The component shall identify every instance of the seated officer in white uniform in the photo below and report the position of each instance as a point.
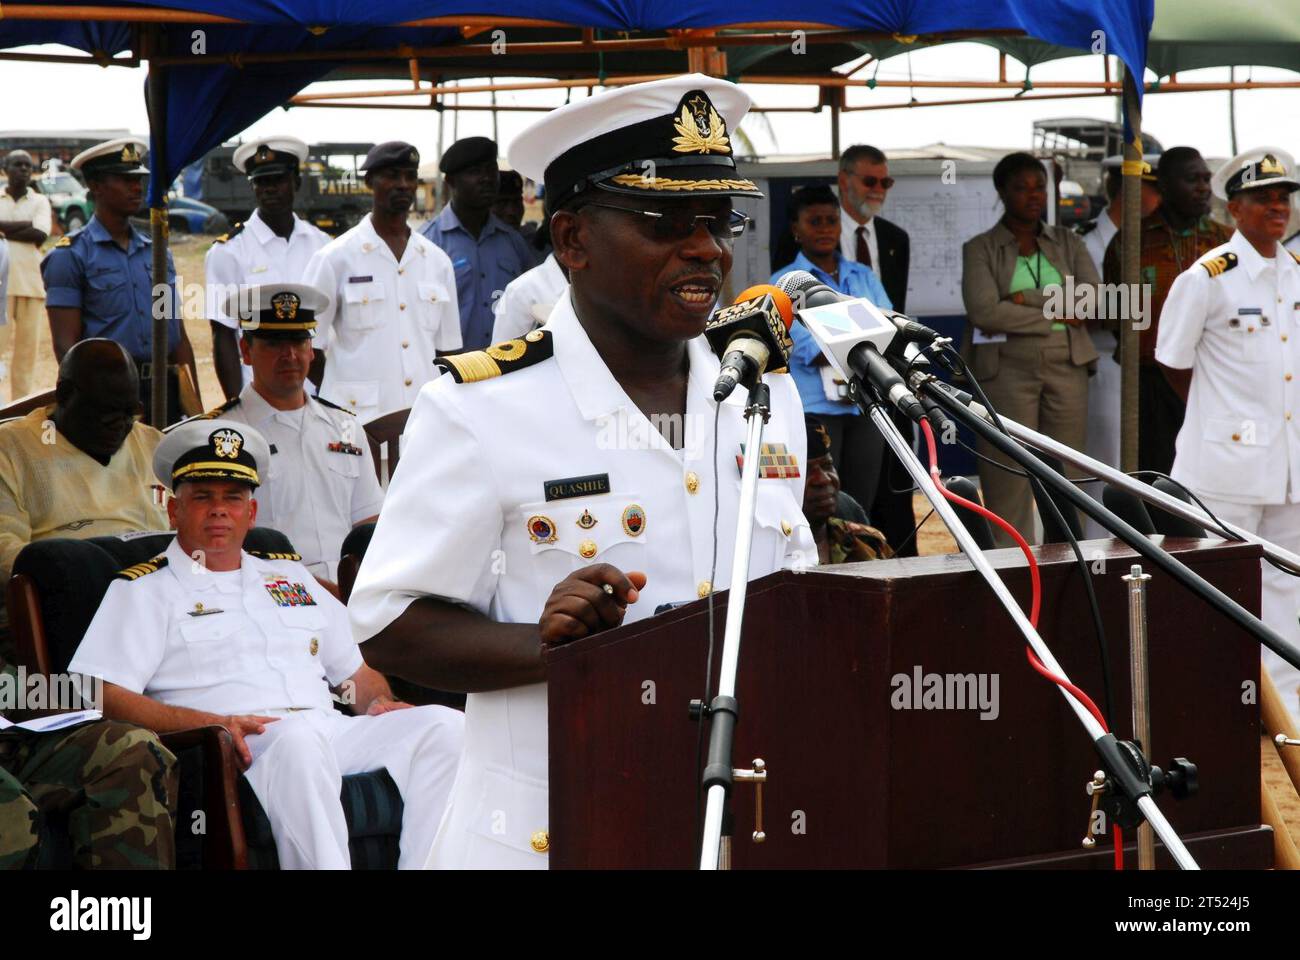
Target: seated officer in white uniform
(208, 634)
(321, 480)
(546, 490)
(1233, 318)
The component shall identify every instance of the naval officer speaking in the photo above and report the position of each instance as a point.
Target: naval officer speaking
(563, 483)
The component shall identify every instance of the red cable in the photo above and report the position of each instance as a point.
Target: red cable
(1035, 605)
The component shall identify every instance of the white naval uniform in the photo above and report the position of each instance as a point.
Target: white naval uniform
(321, 480)
(256, 255)
(1104, 385)
(386, 320)
(248, 652)
(455, 526)
(528, 300)
(1239, 447)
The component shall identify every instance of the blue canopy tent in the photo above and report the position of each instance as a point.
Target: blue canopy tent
(201, 90)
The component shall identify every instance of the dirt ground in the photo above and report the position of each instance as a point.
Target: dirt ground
(933, 537)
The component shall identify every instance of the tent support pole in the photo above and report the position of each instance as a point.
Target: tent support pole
(158, 234)
(1130, 254)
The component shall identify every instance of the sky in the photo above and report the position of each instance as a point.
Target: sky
(75, 96)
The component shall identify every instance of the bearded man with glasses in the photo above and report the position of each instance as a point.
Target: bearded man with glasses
(563, 483)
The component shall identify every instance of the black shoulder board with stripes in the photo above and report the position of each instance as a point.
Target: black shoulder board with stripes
(500, 358)
(334, 406)
(142, 569)
(265, 555)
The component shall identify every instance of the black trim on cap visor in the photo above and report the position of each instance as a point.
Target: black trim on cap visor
(271, 170)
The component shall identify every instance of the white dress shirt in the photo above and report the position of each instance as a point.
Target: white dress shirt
(256, 255)
(849, 238)
(386, 321)
(321, 480)
(461, 522)
(264, 637)
(1239, 331)
(528, 300)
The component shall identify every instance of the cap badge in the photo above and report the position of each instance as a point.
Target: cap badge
(226, 443)
(413, 157)
(1270, 165)
(286, 305)
(700, 128)
(129, 154)
(264, 154)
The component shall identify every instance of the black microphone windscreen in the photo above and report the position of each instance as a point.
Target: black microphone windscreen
(1165, 522)
(1129, 508)
(976, 524)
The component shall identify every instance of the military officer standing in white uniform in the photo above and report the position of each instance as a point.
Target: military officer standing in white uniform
(273, 246)
(392, 297)
(1234, 319)
(557, 484)
(208, 634)
(321, 481)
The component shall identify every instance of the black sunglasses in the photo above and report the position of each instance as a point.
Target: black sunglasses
(885, 182)
(678, 225)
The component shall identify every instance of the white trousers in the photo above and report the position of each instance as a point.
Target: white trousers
(1103, 422)
(300, 761)
(1280, 596)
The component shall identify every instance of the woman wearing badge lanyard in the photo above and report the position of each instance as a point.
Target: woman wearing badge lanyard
(1025, 341)
(856, 444)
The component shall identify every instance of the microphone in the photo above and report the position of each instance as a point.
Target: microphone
(852, 332)
(752, 336)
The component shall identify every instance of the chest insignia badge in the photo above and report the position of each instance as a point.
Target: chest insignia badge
(633, 520)
(348, 448)
(202, 611)
(775, 462)
(587, 521)
(286, 594)
(541, 529)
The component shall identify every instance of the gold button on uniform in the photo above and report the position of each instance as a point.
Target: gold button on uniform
(400, 271)
(1288, 416)
(401, 306)
(1288, 378)
(785, 527)
(408, 381)
(692, 481)
(405, 344)
(1236, 437)
(540, 841)
(705, 588)
(587, 548)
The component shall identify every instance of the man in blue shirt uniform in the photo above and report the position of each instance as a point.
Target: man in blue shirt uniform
(99, 280)
(485, 252)
(857, 444)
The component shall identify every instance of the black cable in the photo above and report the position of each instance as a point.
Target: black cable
(708, 662)
(915, 530)
(1177, 570)
(1041, 494)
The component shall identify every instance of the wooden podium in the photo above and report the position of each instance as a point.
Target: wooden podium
(855, 779)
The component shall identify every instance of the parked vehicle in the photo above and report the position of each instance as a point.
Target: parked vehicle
(187, 215)
(68, 198)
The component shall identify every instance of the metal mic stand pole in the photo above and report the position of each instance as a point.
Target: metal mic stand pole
(1105, 743)
(1102, 471)
(723, 708)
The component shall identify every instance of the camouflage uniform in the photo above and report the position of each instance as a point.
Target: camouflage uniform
(114, 782)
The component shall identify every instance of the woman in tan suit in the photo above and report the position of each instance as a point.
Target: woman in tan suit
(1033, 360)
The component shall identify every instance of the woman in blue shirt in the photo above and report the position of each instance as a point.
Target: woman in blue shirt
(857, 445)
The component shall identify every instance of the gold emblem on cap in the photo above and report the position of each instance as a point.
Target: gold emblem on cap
(286, 305)
(264, 154)
(414, 157)
(540, 841)
(226, 443)
(129, 154)
(587, 549)
(700, 128)
(1271, 165)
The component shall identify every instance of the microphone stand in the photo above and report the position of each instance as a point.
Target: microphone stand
(1116, 757)
(723, 709)
(957, 408)
(1166, 502)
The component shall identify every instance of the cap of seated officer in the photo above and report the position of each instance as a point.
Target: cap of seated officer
(270, 156)
(200, 449)
(124, 156)
(280, 311)
(664, 139)
(1253, 170)
(393, 153)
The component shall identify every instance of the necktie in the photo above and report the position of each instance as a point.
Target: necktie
(863, 251)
